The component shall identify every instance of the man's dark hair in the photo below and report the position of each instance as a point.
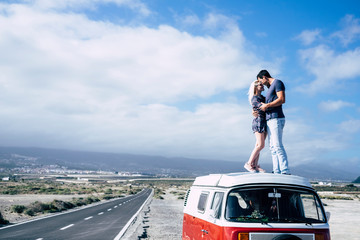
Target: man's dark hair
(263, 73)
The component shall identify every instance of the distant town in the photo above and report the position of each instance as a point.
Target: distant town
(39, 161)
(28, 165)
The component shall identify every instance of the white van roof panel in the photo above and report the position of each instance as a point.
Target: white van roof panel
(242, 178)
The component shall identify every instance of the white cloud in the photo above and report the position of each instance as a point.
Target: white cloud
(331, 106)
(305, 142)
(189, 20)
(71, 82)
(350, 31)
(214, 25)
(307, 37)
(329, 67)
(213, 21)
(351, 126)
(214, 131)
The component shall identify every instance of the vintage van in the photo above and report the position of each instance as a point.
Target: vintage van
(253, 206)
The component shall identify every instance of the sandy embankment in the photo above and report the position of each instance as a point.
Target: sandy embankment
(164, 220)
(6, 201)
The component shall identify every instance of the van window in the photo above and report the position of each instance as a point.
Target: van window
(274, 204)
(312, 208)
(202, 201)
(216, 204)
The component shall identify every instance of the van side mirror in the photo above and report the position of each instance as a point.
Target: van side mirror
(327, 215)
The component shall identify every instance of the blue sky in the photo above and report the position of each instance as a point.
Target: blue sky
(170, 77)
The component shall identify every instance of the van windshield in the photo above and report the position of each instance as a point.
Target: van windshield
(274, 204)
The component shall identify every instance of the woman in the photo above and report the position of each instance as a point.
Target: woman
(258, 126)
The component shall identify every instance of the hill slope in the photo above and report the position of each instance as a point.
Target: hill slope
(11, 157)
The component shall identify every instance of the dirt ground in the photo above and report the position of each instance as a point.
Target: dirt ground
(162, 219)
(344, 219)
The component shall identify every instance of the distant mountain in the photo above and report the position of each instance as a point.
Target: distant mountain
(357, 180)
(11, 157)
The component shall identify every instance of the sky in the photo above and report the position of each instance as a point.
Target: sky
(170, 78)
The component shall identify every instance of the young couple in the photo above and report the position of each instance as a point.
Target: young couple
(269, 120)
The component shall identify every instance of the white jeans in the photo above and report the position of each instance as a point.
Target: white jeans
(275, 128)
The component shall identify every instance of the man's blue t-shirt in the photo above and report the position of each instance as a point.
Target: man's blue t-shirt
(274, 112)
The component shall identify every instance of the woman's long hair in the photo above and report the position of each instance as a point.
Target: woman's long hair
(252, 90)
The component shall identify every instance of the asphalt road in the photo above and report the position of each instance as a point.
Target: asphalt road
(99, 222)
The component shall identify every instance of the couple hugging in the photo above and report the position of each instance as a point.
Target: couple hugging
(269, 121)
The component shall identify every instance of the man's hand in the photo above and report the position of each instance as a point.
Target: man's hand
(263, 107)
(277, 102)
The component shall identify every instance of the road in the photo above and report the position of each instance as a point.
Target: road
(100, 221)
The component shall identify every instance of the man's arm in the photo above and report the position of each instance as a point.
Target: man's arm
(277, 102)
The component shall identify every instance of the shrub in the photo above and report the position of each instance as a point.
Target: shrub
(11, 192)
(90, 200)
(37, 207)
(61, 205)
(107, 197)
(336, 197)
(2, 220)
(66, 191)
(18, 208)
(79, 202)
(108, 191)
(30, 212)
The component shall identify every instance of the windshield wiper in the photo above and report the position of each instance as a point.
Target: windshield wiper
(263, 221)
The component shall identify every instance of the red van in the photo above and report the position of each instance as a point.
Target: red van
(253, 206)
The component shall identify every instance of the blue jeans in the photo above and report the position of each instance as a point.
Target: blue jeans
(275, 128)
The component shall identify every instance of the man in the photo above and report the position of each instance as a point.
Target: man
(275, 120)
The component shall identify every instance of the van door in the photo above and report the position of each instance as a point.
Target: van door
(213, 230)
(200, 231)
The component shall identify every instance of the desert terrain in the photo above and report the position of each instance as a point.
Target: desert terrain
(162, 218)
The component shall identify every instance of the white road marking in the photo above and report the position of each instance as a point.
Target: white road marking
(122, 232)
(67, 227)
(101, 213)
(88, 218)
(109, 209)
(39, 239)
(115, 206)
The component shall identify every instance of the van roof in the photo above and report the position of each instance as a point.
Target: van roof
(245, 178)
